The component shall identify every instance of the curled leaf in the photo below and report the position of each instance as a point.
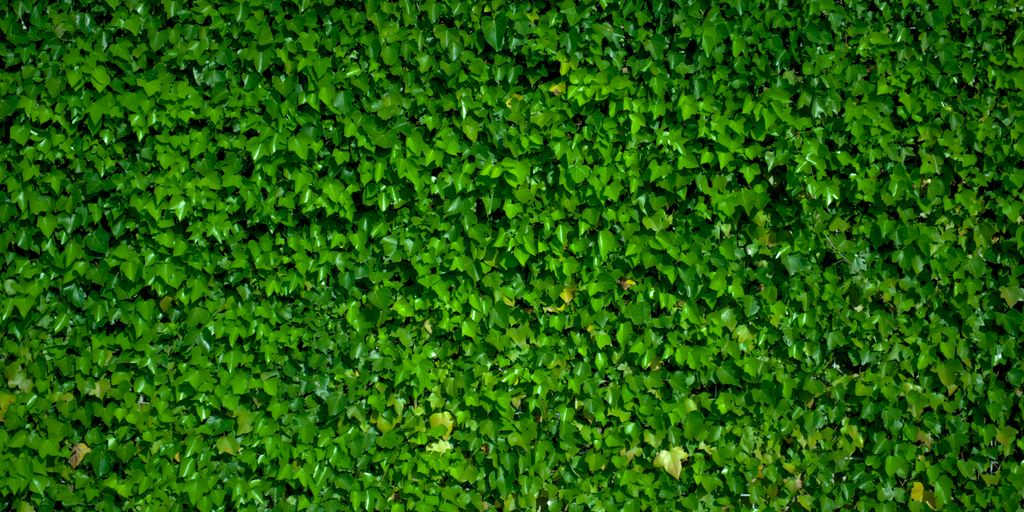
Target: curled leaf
(78, 452)
(917, 492)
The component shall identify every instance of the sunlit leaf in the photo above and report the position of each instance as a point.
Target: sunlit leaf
(671, 460)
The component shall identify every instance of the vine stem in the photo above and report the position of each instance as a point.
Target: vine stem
(835, 249)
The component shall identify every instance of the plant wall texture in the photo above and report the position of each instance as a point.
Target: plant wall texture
(457, 255)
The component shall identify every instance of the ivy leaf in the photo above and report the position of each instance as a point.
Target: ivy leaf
(494, 30)
(99, 390)
(78, 452)
(442, 446)
(917, 492)
(443, 419)
(944, 490)
(5, 402)
(227, 444)
(100, 78)
(20, 134)
(671, 460)
(1012, 295)
(606, 243)
(567, 294)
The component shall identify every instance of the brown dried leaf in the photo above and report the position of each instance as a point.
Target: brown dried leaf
(924, 438)
(5, 401)
(78, 452)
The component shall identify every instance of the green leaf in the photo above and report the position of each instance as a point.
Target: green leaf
(328, 95)
(20, 134)
(494, 30)
(300, 146)
(100, 78)
(170, 275)
(343, 101)
(47, 224)
(228, 445)
(896, 466)
(606, 243)
(944, 490)
(443, 421)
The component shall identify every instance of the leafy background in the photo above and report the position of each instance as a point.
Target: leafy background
(466, 255)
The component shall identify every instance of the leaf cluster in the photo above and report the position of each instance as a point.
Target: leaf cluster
(453, 255)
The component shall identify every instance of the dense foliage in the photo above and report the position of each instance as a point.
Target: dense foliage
(465, 255)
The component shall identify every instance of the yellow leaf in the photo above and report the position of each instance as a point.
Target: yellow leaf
(626, 283)
(441, 446)
(6, 399)
(78, 452)
(516, 96)
(568, 294)
(443, 418)
(917, 492)
(671, 461)
(557, 89)
(924, 438)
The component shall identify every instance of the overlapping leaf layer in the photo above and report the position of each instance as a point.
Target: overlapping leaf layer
(454, 255)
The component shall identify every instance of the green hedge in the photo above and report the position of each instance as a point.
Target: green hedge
(456, 255)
